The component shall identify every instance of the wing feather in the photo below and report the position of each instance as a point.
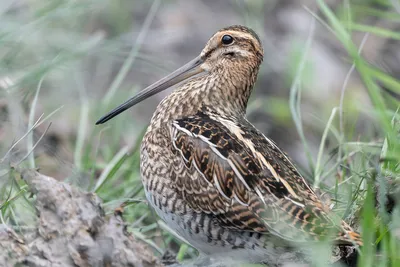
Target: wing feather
(252, 185)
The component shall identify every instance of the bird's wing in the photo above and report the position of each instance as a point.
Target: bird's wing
(245, 180)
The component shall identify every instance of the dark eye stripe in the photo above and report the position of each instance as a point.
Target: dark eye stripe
(239, 39)
(209, 53)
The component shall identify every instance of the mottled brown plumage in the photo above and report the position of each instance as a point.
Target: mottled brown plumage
(212, 176)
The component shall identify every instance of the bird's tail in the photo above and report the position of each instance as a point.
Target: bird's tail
(349, 236)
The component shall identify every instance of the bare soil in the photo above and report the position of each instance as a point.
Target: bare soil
(72, 230)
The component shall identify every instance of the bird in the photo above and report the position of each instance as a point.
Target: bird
(211, 176)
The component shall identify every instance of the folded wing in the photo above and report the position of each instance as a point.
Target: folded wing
(246, 181)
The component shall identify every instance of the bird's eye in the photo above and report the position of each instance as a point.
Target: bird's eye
(227, 39)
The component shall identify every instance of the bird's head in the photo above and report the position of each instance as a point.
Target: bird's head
(235, 51)
(232, 47)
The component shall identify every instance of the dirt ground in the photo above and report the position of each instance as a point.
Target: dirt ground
(72, 230)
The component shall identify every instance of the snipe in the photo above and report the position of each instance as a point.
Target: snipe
(211, 175)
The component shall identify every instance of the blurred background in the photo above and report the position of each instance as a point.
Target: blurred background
(73, 61)
(89, 56)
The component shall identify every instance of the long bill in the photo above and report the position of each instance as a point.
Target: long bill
(188, 70)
